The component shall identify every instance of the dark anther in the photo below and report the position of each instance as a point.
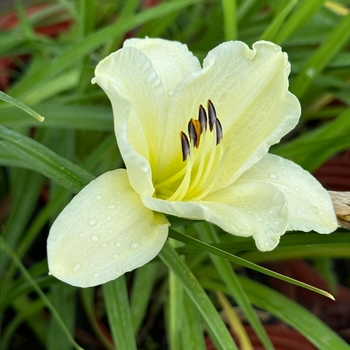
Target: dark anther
(202, 117)
(185, 146)
(212, 115)
(219, 134)
(192, 133)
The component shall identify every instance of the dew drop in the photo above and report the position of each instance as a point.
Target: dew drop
(92, 222)
(170, 92)
(111, 206)
(104, 244)
(276, 223)
(108, 218)
(260, 219)
(134, 245)
(315, 210)
(85, 255)
(77, 267)
(118, 244)
(110, 230)
(311, 72)
(273, 176)
(298, 212)
(82, 235)
(98, 197)
(96, 275)
(94, 238)
(297, 188)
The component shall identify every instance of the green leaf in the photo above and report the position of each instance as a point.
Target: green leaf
(215, 326)
(293, 314)
(45, 161)
(320, 143)
(275, 26)
(21, 105)
(118, 312)
(141, 293)
(229, 277)
(219, 252)
(41, 294)
(230, 20)
(322, 56)
(303, 12)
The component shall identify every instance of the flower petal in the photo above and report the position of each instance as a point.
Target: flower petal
(137, 98)
(104, 232)
(170, 59)
(309, 204)
(248, 209)
(249, 89)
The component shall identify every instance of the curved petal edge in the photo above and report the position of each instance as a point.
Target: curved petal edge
(104, 232)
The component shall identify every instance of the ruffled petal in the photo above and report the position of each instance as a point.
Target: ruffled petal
(104, 232)
(247, 209)
(170, 59)
(249, 89)
(137, 96)
(309, 204)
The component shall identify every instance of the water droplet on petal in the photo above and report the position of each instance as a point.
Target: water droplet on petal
(96, 275)
(82, 235)
(118, 244)
(92, 222)
(98, 197)
(110, 230)
(273, 176)
(108, 218)
(170, 92)
(315, 209)
(94, 238)
(77, 267)
(111, 206)
(260, 219)
(104, 244)
(134, 245)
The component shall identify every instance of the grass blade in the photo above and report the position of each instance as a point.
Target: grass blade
(216, 328)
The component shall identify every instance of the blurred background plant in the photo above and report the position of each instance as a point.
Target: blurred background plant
(48, 51)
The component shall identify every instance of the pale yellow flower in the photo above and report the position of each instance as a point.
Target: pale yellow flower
(194, 141)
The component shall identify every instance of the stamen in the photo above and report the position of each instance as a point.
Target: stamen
(203, 159)
(194, 131)
(185, 146)
(212, 115)
(202, 117)
(219, 134)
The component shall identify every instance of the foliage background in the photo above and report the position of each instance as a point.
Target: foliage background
(47, 62)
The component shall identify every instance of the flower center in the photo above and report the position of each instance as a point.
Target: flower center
(201, 159)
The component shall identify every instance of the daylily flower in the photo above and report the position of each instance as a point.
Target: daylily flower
(194, 141)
